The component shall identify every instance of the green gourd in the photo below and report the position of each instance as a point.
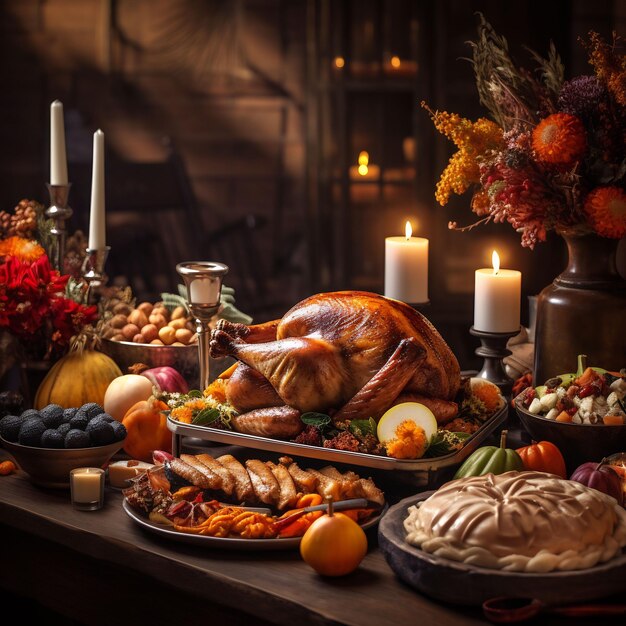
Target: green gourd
(491, 459)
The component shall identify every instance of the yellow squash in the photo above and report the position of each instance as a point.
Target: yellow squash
(79, 377)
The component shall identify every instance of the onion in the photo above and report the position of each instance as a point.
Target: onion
(166, 379)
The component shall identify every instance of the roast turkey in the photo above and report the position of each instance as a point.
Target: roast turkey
(349, 354)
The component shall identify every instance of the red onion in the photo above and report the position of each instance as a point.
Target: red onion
(159, 457)
(166, 379)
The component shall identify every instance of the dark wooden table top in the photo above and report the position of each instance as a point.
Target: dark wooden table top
(101, 567)
(270, 587)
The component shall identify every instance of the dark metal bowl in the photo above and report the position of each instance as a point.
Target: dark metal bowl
(578, 443)
(183, 359)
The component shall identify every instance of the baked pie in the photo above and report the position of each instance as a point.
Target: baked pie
(519, 522)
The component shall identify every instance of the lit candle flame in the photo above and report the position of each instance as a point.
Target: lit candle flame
(364, 159)
(339, 62)
(395, 62)
(408, 231)
(495, 261)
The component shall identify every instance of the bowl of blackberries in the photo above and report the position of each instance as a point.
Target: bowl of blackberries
(49, 442)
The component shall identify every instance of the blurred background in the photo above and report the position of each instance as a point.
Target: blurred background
(234, 131)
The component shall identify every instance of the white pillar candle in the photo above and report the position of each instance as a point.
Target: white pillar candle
(58, 158)
(406, 268)
(497, 299)
(96, 218)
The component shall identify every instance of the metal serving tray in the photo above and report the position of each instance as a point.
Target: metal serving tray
(426, 466)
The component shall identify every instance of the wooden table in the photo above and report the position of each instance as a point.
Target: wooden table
(101, 568)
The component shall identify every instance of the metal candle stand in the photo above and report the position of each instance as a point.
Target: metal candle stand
(493, 349)
(211, 273)
(59, 212)
(93, 272)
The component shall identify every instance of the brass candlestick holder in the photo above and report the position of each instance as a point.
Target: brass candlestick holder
(59, 212)
(203, 280)
(93, 272)
(493, 350)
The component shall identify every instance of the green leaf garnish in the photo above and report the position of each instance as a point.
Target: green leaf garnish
(205, 417)
(363, 427)
(195, 393)
(315, 419)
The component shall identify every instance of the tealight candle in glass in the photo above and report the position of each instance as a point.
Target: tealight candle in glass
(87, 488)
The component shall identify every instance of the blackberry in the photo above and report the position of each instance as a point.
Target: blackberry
(52, 438)
(10, 427)
(91, 409)
(77, 439)
(52, 415)
(100, 432)
(30, 413)
(64, 428)
(119, 429)
(30, 431)
(68, 414)
(80, 420)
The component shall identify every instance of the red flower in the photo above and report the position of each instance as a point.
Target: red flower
(31, 298)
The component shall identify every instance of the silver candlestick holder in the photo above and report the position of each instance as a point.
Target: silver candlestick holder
(59, 212)
(493, 350)
(93, 272)
(203, 280)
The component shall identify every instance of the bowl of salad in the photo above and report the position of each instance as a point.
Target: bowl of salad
(583, 413)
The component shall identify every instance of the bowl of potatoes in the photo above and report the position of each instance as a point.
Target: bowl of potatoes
(153, 334)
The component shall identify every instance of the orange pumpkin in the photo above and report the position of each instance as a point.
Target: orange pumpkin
(543, 457)
(146, 427)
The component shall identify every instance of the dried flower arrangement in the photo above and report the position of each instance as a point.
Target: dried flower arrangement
(553, 154)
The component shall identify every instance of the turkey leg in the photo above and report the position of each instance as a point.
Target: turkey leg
(257, 333)
(306, 372)
(384, 387)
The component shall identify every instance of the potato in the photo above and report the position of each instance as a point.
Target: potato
(121, 308)
(177, 323)
(179, 312)
(138, 317)
(156, 342)
(183, 335)
(118, 321)
(161, 310)
(158, 320)
(108, 332)
(149, 332)
(118, 337)
(138, 338)
(129, 331)
(146, 308)
(167, 335)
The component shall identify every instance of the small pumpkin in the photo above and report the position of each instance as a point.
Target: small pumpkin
(146, 428)
(491, 459)
(543, 456)
(600, 476)
(81, 376)
(334, 544)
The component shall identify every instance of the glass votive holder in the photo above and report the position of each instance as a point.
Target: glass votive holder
(87, 488)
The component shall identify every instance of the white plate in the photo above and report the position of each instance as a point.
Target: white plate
(225, 543)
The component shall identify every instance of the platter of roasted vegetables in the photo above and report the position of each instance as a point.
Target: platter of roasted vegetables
(259, 505)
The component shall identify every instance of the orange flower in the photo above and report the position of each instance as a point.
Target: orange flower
(560, 139)
(26, 250)
(606, 210)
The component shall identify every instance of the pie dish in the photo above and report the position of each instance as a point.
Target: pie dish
(519, 522)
